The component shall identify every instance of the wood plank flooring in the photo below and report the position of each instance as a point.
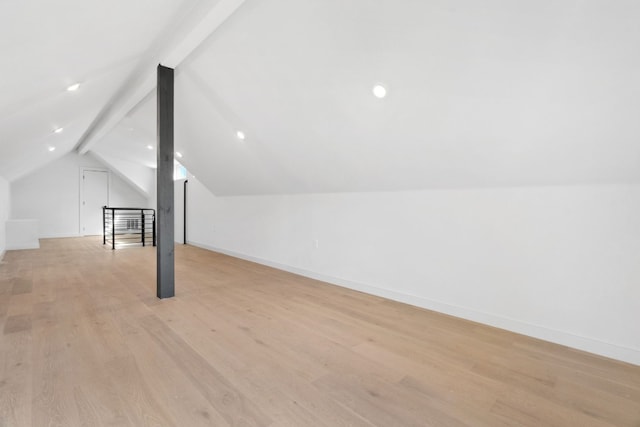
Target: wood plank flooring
(85, 342)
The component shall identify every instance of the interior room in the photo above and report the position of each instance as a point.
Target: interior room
(391, 213)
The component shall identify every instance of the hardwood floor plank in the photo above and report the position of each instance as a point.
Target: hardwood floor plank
(95, 409)
(555, 385)
(17, 323)
(21, 285)
(85, 342)
(234, 406)
(139, 405)
(52, 399)
(15, 379)
(453, 390)
(279, 379)
(385, 403)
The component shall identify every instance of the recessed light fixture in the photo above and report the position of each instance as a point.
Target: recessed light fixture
(240, 134)
(52, 148)
(150, 147)
(73, 87)
(58, 130)
(379, 91)
(179, 154)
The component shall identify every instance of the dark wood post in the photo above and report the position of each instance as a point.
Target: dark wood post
(165, 249)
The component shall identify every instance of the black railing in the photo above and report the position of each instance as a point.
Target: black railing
(128, 226)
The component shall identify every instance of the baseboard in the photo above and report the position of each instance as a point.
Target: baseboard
(2, 255)
(23, 247)
(59, 236)
(590, 345)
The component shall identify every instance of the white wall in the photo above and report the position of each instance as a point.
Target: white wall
(178, 210)
(138, 176)
(558, 263)
(5, 209)
(52, 195)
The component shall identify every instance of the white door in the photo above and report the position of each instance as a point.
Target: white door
(95, 195)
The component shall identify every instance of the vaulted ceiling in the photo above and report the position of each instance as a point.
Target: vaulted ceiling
(494, 93)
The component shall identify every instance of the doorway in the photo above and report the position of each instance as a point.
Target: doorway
(93, 196)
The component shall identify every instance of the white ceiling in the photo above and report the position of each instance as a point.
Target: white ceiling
(493, 93)
(47, 46)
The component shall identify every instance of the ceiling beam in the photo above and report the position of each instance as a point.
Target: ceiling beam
(127, 99)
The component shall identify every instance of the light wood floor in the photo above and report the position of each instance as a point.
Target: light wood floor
(84, 342)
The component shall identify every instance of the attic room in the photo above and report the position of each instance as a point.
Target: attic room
(391, 213)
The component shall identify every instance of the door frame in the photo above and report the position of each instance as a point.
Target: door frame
(83, 169)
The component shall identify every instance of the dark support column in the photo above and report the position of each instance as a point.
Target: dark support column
(186, 181)
(143, 230)
(165, 254)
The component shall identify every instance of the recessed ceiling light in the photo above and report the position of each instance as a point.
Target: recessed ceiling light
(58, 130)
(150, 147)
(240, 134)
(379, 91)
(52, 148)
(179, 154)
(73, 87)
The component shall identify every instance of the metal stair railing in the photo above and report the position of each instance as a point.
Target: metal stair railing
(128, 226)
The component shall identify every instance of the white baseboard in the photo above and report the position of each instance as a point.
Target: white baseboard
(59, 236)
(2, 255)
(23, 247)
(590, 345)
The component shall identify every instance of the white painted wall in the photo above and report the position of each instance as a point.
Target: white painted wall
(52, 195)
(5, 209)
(559, 263)
(22, 234)
(138, 176)
(178, 195)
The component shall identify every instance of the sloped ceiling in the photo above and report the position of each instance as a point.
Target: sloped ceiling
(107, 47)
(494, 93)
